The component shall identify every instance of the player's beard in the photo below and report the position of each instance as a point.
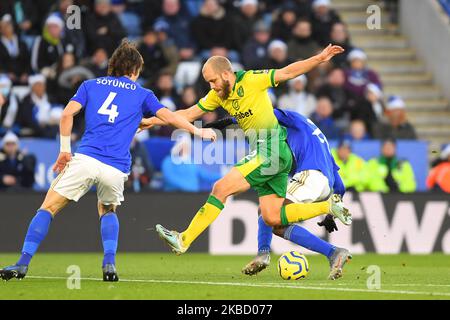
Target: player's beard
(225, 89)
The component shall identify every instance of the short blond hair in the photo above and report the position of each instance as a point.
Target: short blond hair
(219, 64)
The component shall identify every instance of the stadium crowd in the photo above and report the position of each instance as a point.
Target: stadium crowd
(43, 60)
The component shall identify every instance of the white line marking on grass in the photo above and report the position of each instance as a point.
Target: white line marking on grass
(261, 285)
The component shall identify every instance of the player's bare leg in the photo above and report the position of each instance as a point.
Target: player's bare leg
(53, 204)
(232, 183)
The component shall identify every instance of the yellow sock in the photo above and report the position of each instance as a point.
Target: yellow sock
(204, 217)
(296, 212)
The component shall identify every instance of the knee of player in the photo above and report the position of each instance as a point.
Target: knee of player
(220, 190)
(53, 209)
(271, 219)
(106, 208)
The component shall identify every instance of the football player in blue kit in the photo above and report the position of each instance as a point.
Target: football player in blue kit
(316, 178)
(114, 107)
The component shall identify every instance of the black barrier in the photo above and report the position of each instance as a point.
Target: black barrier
(415, 223)
(77, 228)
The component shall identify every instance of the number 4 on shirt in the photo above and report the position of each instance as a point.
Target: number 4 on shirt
(111, 112)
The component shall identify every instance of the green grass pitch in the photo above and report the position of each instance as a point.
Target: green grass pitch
(202, 276)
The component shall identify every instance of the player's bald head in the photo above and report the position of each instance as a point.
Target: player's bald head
(218, 65)
(217, 71)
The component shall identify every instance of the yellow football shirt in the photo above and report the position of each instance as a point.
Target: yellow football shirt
(249, 102)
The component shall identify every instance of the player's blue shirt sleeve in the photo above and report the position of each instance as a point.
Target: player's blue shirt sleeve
(283, 118)
(81, 96)
(338, 187)
(151, 105)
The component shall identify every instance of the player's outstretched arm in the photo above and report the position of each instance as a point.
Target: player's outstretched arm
(65, 132)
(300, 67)
(191, 114)
(178, 121)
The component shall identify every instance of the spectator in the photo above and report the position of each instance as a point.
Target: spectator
(322, 117)
(339, 36)
(167, 95)
(154, 57)
(397, 125)
(103, 28)
(24, 13)
(352, 167)
(322, 19)
(318, 76)
(302, 46)
(168, 45)
(98, 63)
(165, 91)
(388, 173)
(14, 55)
(246, 19)
(374, 96)
(178, 28)
(370, 108)
(50, 47)
(189, 97)
(334, 89)
(357, 131)
(297, 99)
(37, 116)
(16, 167)
(358, 76)
(284, 23)
(213, 28)
(9, 106)
(70, 77)
(254, 54)
(278, 58)
(180, 174)
(438, 179)
(72, 35)
(141, 167)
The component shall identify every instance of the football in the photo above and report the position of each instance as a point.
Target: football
(293, 266)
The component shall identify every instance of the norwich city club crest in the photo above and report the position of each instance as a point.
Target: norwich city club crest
(240, 92)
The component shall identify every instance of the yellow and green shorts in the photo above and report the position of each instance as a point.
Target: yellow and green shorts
(267, 167)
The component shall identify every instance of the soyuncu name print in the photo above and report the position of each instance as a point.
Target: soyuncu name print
(242, 115)
(116, 83)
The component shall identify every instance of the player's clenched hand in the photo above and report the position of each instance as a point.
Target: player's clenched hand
(207, 134)
(145, 124)
(330, 51)
(63, 159)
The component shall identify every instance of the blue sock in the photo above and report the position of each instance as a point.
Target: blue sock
(37, 231)
(109, 224)
(306, 239)
(264, 236)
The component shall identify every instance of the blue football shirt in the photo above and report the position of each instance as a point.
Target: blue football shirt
(309, 146)
(114, 108)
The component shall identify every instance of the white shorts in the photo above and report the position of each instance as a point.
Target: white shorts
(82, 172)
(308, 186)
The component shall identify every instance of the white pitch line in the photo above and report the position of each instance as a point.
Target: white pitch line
(260, 285)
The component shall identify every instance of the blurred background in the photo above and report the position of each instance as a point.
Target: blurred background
(383, 104)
